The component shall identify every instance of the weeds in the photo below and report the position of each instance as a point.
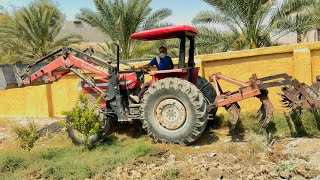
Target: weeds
(171, 173)
(281, 126)
(287, 165)
(139, 149)
(257, 143)
(309, 122)
(58, 158)
(27, 135)
(51, 154)
(10, 164)
(305, 124)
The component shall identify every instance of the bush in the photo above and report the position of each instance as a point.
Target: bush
(10, 164)
(27, 135)
(305, 124)
(309, 122)
(259, 140)
(85, 119)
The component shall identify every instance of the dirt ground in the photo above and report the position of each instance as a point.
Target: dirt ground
(214, 156)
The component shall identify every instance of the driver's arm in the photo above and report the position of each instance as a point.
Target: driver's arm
(147, 65)
(153, 62)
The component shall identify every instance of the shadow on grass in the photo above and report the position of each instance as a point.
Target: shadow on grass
(54, 127)
(206, 138)
(300, 131)
(133, 129)
(219, 122)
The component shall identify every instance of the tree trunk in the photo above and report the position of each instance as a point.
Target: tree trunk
(318, 34)
(299, 37)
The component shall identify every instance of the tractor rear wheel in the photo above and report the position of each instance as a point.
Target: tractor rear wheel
(78, 139)
(209, 92)
(174, 110)
(207, 89)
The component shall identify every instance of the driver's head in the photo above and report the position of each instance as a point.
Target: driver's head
(163, 50)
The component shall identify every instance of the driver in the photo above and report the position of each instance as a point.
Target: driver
(162, 62)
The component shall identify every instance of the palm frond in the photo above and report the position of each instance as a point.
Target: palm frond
(156, 17)
(32, 30)
(118, 19)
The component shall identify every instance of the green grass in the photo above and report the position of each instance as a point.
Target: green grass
(171, 172)
(306, 124)
(58, 158)
(281, 126)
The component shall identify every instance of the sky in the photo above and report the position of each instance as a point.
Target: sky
(182, 10)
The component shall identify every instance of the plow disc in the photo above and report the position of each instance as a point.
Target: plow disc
(294, 100)
(266, 110)
(234, 110)
(295, 95)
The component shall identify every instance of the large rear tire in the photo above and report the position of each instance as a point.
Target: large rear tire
(209, 92)
(174, 110)
(207, 89)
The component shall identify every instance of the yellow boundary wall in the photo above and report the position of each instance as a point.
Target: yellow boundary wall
(301, 61)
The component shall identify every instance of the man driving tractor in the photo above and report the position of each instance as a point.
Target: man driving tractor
(162, 62)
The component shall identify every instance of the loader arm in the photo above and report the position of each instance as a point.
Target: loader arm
(66, 60)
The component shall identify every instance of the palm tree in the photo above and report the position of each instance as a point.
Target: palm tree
(5, 55)
(246, 24)
(300, 16)
(118, 19)
(32, 32)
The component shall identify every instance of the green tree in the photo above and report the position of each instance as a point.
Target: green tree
(247, 24)
(5, 55)
(32, 32)
(118, 19)
(300, 16)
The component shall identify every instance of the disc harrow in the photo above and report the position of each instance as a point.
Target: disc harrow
(295, 95)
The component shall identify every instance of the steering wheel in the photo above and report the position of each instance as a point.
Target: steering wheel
(144, 70)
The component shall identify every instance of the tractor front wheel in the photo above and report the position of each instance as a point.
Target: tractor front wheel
(174, 110)
(78, 138)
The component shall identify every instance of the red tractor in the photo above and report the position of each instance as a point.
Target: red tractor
(173, 109)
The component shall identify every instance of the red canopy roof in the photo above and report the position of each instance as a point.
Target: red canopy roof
(164, 33)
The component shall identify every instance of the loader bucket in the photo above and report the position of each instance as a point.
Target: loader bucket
(10, 77)
(7, 77)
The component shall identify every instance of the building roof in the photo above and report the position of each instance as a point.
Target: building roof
(89, 34)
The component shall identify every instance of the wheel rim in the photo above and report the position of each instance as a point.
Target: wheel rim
(171, 114)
